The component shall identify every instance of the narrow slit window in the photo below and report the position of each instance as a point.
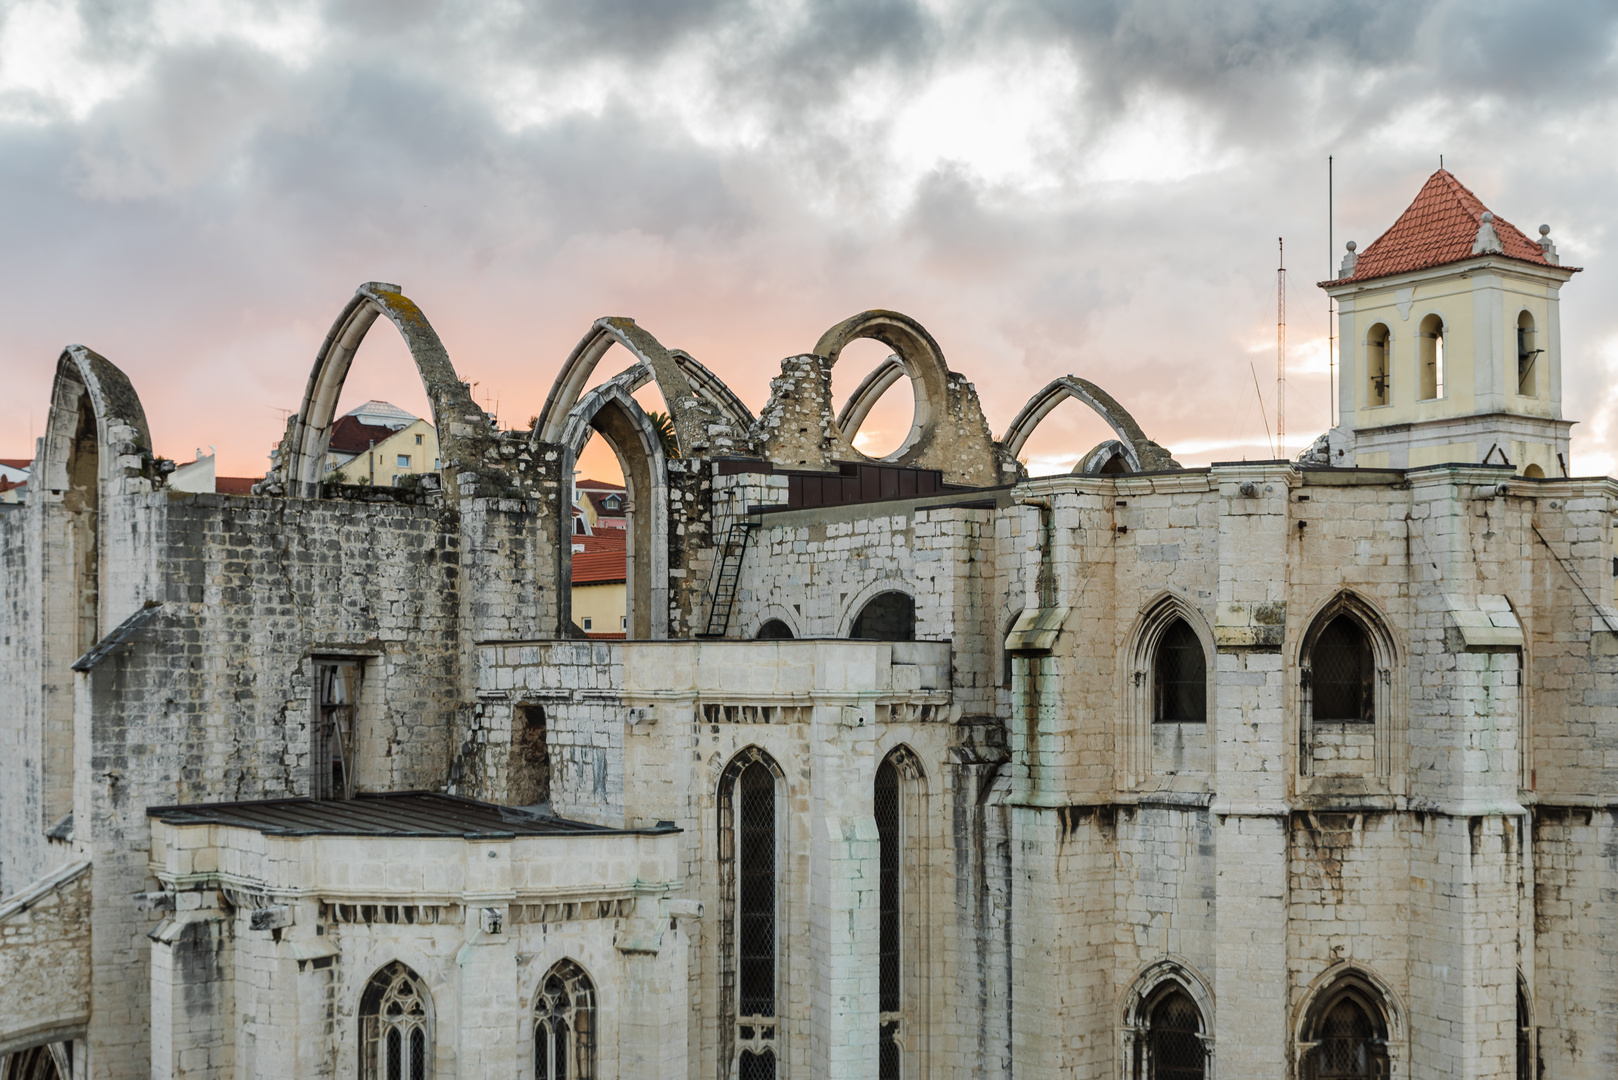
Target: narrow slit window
(338, 687)
(890, 990)
(1527, 357)
(1432, 357)
(1377, 378)
(755, 907)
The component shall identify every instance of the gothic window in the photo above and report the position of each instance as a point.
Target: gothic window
(886, 797)
(395, 1023)
(564, 1025)
(337, 689)
(1348, 1037)
(750, 862)
(1180, 677)
(1342, 673)
(53, 1061)
(1527, 354)
(1173, 1048)
(888, 617)
(1431, 336)
(774, 630)
(1377, 369)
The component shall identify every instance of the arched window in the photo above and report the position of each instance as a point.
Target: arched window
(774, 630)
(1527, 383)
(1343, 673)
(395, 1022)
(890, 616)
(1431, 336)
(1377, 368)
(749, 853)
(1348, 1037)
(38, 1063)
(1179, 677)
(1534, 472)
(886, 794)
(564, 1025)
(1174, 1039)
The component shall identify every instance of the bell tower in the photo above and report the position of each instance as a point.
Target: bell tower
(1451, 341)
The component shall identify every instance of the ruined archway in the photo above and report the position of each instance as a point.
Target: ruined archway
(915, 354)
(703, 382)
(96, 446)
(302, 457)
(610, 411)
(1139, 453)
(694, 416)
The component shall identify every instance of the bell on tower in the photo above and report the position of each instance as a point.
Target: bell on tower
(1451, 342)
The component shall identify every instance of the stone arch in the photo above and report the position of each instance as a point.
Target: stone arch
(888, 615)
(397, 1024)
(778, 614)
(618, 417)
(1140, 453)
(1163, 976)
(1105, 459)
(302, 458)
(710, 387)
(691, 414)
(1348, 978)
(915, 354)
(96, 446)
(1140, 759)
(1387, 712)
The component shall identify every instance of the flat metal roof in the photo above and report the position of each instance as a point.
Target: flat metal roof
(404, 813)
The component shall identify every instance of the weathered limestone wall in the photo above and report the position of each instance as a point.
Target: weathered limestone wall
(45, 959)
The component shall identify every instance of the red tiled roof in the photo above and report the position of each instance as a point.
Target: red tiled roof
(10, 485)
(604, 485)
(599, 567)
(17, 462)
(1439, 227)
(349, 436)
(593, 636)
(235, 485)
(602, 510)
(611, 540)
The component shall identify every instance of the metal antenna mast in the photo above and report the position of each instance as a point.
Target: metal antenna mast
(1331, 307)
(1281, 349)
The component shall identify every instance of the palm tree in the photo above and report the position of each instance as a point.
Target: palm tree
(665, 432)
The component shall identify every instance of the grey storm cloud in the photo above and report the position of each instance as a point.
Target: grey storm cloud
(194, 189)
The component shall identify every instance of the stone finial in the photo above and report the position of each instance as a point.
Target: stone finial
(1488, 241)
(1349, 260)
(1547, 246)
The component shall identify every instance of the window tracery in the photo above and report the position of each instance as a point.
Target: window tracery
(564, 1025)
(395, 1018)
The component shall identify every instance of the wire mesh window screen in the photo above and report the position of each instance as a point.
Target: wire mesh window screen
(393, 1026)
(756, 888)
(564, 1025)
(890, 1058)
(756, 1066)
(1180, 677)
(1348, 1046)
(1342, 673)
(887, 830)
(1175, 1044)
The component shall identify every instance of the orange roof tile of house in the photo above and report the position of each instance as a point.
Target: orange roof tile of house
(235, 485)
(1439, 227)
(599, 567)
(17, 462)
(606, 540)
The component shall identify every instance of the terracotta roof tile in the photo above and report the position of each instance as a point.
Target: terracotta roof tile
(17, 462)
(235, 485)
(599, 567)
(1439, 227)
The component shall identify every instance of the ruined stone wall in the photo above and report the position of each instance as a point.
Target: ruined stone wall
(44, 960)
(23, 856)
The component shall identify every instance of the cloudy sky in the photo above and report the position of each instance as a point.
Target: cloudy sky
(194, 189)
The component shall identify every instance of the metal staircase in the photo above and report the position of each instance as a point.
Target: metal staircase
(727, 576)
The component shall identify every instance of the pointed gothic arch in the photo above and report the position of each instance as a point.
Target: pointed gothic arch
(1348, 630)
(1140, 453)
(1348, 1010)
(692, 414)
(710, 387)
(1166, 1027)
(396, 1025)
(753, 799)
(1148, 750)
(610, 411)
(302, 464)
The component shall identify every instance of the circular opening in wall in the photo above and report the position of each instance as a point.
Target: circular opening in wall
(885, 426)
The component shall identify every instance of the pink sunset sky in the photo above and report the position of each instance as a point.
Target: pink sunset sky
(193, 189)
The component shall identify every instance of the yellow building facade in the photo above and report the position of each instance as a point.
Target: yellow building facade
(410, 451)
